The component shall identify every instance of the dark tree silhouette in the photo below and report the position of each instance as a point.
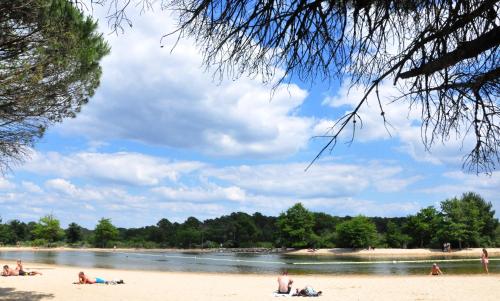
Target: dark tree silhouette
(443, 55)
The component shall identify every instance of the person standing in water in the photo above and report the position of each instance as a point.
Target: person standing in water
(485, 261)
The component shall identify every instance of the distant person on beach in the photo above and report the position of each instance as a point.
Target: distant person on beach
(435, 270)
(9, 272)
(485, 260)
(284, 283)
(84, 279)
(20, 270)
(307, 292)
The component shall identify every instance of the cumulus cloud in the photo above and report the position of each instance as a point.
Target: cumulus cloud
(403, 124)
(324, 179)
(154, 96)
(122, 167)
(6, 184)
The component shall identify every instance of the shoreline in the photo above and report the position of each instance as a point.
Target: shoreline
(378, 252)
(56, 284)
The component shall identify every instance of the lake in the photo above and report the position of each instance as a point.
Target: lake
(251, 263)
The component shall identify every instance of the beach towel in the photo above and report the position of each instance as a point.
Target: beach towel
(276, 294)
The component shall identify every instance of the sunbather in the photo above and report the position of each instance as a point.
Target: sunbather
(20, 270)
(9, 272)
(84, 279)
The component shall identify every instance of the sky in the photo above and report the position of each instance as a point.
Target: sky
(163, 139)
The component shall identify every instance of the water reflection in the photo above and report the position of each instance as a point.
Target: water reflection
(249, 263)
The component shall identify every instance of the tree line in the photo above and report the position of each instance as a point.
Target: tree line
(468, 221)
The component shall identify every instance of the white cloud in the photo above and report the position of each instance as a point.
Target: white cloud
(403, 124)
(322, 180)
(164, 98)
(122, 167)
(459, 182)
(31, 187)
(200, 194)
(6, 184)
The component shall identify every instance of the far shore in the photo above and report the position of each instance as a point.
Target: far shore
(378, 252)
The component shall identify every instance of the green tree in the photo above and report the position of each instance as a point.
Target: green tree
(49, 68)
(48, 228)
(468, 220)
(104, 233)
(422, 227)
(296, 226)
(359, 232)
(5, 233)
(73, 233)
(394, 237)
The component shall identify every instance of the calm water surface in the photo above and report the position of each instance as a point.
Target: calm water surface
(251, 263)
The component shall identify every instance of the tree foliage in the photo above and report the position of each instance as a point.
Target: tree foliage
(466, 221)
(49, 67)
(359, 232)
(73, 233)
(48, 228)
(296, 226)
(104, 233)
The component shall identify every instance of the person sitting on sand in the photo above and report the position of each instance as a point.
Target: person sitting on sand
(9, 272)
(20, 270)
(307, 292)
(435, 270)
(284, 283)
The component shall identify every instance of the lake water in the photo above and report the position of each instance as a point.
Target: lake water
(251, 263)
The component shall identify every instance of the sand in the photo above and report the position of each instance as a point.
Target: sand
(56, 284)
(380, 252)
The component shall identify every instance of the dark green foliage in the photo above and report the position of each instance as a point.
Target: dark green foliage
(423, 226)
(105, 233)
(296, 226)
(48, 228)
(49, 68)
(394, 237)
(73, 233)
(359, 232)
(467, 221)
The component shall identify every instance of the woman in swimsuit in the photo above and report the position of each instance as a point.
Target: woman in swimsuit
(484, 260)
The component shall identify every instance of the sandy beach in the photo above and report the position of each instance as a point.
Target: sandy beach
(380, 252)
(56, 284)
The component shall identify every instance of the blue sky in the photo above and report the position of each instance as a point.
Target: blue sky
(162, 139)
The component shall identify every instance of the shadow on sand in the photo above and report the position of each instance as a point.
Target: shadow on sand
(8, 294)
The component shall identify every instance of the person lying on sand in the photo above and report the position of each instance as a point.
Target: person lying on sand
(9, 272)
(435, 270)
(20, 270)
(84, 279)
(307, 292)
(284, 283)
